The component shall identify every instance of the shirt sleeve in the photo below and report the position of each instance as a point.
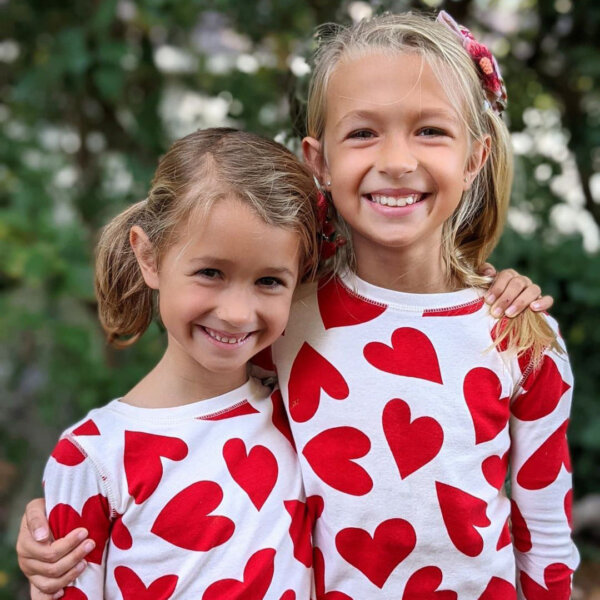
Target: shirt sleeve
(541, 482)
(76, 496)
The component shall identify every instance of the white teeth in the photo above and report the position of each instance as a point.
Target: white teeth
(225, 339)
(396, 200)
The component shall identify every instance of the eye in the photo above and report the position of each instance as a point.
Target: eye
(209, 273)
(431, 132)
(270, 282)
(361, 134)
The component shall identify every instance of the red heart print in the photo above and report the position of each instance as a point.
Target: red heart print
(239, 410)
(411, 355)
(490, 413)
(204, 531)
(142, 461)
(258, 574)
(304, 515)
(67, 453)
(461, 513)
(457, 311)
(504, 538)
(288, 595)
(72, 593)
(331, 454)
(557, 579)
(542, 393)
(413, 444)
(87, 428)
(340, 308)
(280, 419)
(310, 374)
(520, 531)
(255, 471)
(120, 535)
(499, 589)
(494, 470)
(133, 588)
(376, 557)
(423, 584)
(319, 570)
(95, 517)
(543, 466)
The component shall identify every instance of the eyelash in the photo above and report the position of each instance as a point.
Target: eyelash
(436, 131)
(356, 135)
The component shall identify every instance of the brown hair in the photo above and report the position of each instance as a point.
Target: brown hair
(197, 171)
(472, 232)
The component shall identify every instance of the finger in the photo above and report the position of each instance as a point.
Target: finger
(542, 304)
(36, 594)
(523, 300)
(512, 291)
(487, 269)
(66, 552)
(499, 285)
(50, 586)
(35, 513)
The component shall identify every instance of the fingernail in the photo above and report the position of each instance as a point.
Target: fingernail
(510, 311)
(490, 298)
(81, 535)
(536, 305)
(497, 312)
(89, 546)
(81, 566)
(40, 534)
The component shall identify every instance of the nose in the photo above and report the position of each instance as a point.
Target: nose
(396, 156)
(235, 308)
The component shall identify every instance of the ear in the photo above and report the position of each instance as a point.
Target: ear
(480, 152)
(313, 157)
(144, 254)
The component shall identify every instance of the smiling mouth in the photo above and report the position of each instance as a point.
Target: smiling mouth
(395, 200)
(226, 338)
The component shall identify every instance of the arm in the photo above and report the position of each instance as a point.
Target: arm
(510, 293)
(76, 497)
(541, 480)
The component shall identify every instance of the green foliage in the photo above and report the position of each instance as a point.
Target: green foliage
(86, 110)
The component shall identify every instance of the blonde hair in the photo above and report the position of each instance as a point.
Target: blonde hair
(472, 232)
(197, 171)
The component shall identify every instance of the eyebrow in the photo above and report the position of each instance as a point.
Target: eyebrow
(422, 114)
(215, 260)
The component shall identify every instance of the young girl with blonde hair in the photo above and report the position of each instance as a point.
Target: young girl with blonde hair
(196, 435)
(407, 400)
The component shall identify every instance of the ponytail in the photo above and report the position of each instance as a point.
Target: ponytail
(125, 302)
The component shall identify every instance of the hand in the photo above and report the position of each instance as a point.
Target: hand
(510, 293)
(49, 565)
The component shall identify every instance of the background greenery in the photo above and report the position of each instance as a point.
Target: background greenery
(92, 92)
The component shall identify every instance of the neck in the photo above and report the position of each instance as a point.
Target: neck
(173, 383)
(415, 269)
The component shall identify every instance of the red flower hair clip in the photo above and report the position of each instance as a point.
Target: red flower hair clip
(487, 67)
(330, 241)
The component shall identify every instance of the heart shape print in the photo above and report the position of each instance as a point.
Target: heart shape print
(142, 461)
(411, 355)
(499, 589)
(258, 575)
(494, 469)
(255, 471)
(378, 555)
(557, 578)
(319, 570)
(520, 531)
(133, 588)
(490, 413)
(94, 517)
(331, 455)
(340, 308)
(461, 513)
(310, 374)
(204, 531)
(413, 443)
(424, 583)
(304, 515)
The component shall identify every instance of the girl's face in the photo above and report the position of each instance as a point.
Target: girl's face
(225, 290)
(397, 154)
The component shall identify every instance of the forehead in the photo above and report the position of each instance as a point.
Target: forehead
(387, 81)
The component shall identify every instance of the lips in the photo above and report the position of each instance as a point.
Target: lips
(226, 337)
